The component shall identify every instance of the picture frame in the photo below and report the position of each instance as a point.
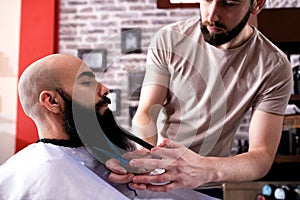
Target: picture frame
(131, 40)
(115, 97)
(135, 82)
(96, 59)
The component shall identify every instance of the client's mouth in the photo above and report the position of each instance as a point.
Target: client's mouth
(104, 101)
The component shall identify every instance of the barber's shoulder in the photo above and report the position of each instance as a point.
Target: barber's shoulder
(268, 45)
(179, 29)
(270, 51)
(182, 24)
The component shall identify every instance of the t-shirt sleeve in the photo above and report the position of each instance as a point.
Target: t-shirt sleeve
(277, 90)
(158, 58)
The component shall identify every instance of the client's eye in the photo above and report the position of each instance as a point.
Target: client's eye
(230, 3)
(87, 83)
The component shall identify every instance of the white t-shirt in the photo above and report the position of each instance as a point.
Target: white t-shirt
(210, 89)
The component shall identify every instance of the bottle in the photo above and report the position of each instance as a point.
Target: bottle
(295, 79)
(285, 192)
(245, 146)
(240, 147)
(268, 190)
(297, 191)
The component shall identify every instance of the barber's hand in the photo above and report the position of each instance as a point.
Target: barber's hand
(120, 174)
(138, 154)
(184, 168)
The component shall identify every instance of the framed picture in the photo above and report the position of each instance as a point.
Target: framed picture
(94, 58)
(135, 82)
(115, 96)
(131, 40)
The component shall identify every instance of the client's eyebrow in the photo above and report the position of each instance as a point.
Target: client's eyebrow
(87, 73)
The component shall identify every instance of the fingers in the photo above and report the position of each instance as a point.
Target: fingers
(155, 179)
(166, 158)
(168, 150)
(155, 188)
(149, 164)
(136, 154)
(163, 188)
(164, 143)
(119, 178)
(118, 173)
(158, 183)
(137, 186)
(171, 156)
(166, 153)
(115, 166)
(167, 143)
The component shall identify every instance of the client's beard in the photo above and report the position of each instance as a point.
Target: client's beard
(86, 125)
(69, 124)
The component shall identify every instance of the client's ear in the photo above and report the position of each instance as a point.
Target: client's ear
(258, 6)
(50, 100)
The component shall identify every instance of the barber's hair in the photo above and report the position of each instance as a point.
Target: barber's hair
(33, 81)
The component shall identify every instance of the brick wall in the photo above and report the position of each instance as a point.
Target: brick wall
(97, 24)
(282, 3)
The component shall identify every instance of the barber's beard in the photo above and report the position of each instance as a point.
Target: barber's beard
(88, 122)
(218, 39)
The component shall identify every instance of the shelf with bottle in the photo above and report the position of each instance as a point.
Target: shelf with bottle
(287, 158)
(294, 97)
(250, 190)
(291, 121)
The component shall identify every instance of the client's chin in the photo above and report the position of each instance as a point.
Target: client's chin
(103, 110)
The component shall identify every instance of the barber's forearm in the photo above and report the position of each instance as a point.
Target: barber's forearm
(243, 167)
(264, 136)
(144, 128)
(152, 140)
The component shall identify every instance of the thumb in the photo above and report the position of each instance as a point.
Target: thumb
(115, 166)
(167, 143)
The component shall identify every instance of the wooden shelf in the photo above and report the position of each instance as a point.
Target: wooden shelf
(291, 121)
(287, 158)
(295, 97)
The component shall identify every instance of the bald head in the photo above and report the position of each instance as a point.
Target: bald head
(45, 74)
